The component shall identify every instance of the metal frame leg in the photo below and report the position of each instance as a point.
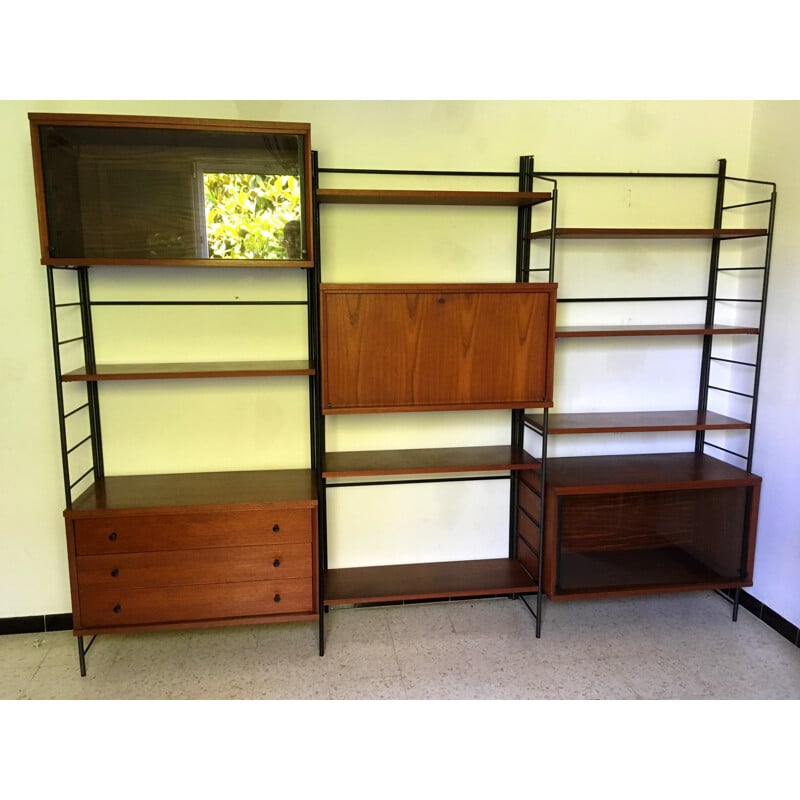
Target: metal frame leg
(82, 651)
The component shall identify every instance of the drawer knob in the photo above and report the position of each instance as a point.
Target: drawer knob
(112, 537)
(276, 528)
(277, 598)
(114, 573)
(117, 608)
(276, 562)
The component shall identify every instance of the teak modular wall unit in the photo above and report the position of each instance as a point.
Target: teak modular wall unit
(437, 347)
(653, 522)
(163, 551)
(180, 550)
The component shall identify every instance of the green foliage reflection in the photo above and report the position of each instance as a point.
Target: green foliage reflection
(246, 214)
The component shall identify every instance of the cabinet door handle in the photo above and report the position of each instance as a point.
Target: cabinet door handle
(276, 562)
(114, 573)
(112, 537)
(117, 608)
(276, 528)
(277, 598)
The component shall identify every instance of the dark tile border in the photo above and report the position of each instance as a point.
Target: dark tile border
(42, 624)
(767, 615)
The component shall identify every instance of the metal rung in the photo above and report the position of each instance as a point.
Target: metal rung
(531, 518)
(735, 269)
(67, 305)
(67, 341)
(738, 300)
(742, 205)
(699, 298)
(73, 485)
(76, 446)
(730, 391)
(76, 410)
(732, 361)
(725, 449)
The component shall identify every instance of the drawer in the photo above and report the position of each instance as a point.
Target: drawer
(187, 567)
(148, 532)
(112, 607)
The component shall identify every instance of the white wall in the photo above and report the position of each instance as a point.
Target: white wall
(774, 155)
(370, 244)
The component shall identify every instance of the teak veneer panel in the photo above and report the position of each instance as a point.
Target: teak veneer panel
(233, 369)
(634, 421)
(652, 233)
(481, 577)
(442, 460)
(600, 331)
(639, 472)
(430, 197)
(199, 490)
(425, 347)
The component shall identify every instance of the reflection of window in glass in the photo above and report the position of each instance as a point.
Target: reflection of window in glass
(246, 215)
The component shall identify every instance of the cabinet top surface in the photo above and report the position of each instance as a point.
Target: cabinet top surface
(183, 123)
(198, 491)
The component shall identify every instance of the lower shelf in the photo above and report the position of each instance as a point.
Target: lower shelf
(484, 577)
(628, 572)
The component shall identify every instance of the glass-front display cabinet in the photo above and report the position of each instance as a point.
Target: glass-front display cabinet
(171, 191)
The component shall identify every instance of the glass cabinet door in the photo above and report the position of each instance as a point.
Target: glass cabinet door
(150, 192)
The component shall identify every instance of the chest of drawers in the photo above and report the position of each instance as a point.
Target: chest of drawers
(170, 569)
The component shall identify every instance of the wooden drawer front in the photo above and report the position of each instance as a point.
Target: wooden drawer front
(149, 532)
(120, 607)
(186, 567)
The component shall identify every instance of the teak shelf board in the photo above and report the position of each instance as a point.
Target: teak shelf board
(598, 331)
(221, 369)
(180, 123)
(639, 472)
(430, 197)
(622, 572)
(634, 421)
(483, 577)
(427, 461)
(199, 490)
(652, 233)
(212, 263)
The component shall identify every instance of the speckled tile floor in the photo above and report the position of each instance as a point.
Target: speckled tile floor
(679, 647)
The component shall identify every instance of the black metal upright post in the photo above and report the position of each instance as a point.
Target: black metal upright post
(711, 301)
(318, 427)
(91, 366)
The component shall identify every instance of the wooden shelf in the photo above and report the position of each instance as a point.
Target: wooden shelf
(596, 331)
(486, 577)
(430, 197)
(200, 490)
(652, 233)
(631, 572)
(641, 472)
(427, 461)
(634, 422)
(233, 369)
